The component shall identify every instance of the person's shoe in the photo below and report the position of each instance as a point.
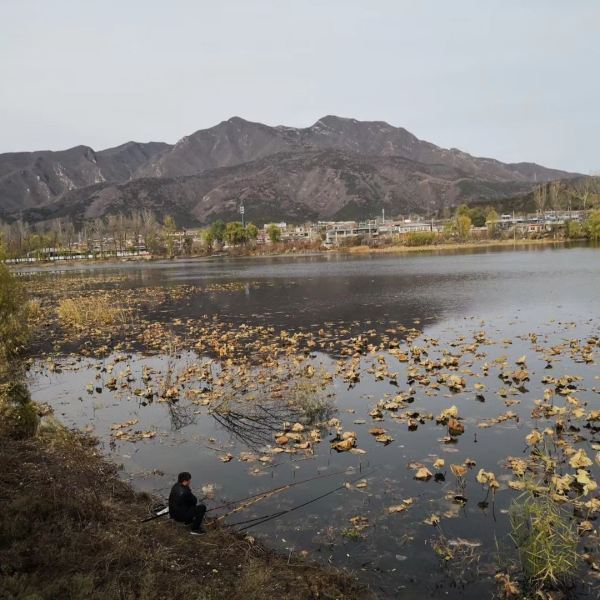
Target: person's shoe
(200, 531)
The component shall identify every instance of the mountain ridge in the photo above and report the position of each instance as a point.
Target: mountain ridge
(43, 183)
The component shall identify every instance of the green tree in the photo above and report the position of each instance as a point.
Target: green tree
(169, 224)
(477, 216)
(491, 220)
(592, 226)
(463, 211)
(463, 226)
(170, 228)
(235, 233)
(274, 233)
(218, 231)
(209, 239)
(251, 231)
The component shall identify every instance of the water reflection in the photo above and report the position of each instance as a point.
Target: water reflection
(252, 424)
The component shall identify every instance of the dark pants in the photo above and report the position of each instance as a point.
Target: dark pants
(194, 516)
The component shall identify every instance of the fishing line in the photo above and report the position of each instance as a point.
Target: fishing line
(297, 507)
(281, 512)
(277, 489)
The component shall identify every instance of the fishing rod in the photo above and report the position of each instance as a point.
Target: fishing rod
(277, 489)
(284, 511)
(281, 512)
(258, 496)
(258, 521)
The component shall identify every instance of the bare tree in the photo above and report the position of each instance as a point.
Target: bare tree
(66, 233)
(539, 197)
(99, 229)
(555, 190)
(150, 230)
(585, 189)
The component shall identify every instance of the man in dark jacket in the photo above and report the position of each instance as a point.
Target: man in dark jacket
(184, 506)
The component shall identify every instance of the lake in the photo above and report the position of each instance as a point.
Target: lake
(376, 342)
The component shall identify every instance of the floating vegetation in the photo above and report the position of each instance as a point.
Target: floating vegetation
(437, 432)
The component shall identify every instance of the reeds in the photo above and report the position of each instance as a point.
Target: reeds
(94, 311)
(546, 541)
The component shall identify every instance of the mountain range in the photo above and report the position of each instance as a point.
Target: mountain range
(337, 168)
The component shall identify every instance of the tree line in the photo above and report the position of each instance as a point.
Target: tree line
(114, 234)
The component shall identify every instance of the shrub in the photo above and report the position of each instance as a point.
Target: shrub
(18, 416)
(351, 241)
(574, 230)
(17, 421)
(420, 238)
(592, 226)
(13, 316)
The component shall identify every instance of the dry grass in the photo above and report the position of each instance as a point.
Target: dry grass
(34, 310)
(69, 528)
(94, 311)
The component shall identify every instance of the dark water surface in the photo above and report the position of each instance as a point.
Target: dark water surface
(554, 293)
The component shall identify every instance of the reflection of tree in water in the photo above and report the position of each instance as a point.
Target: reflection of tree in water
(181, 415)
(254, 424)
(255, 421)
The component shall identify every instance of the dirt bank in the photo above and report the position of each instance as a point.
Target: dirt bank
(69, 528)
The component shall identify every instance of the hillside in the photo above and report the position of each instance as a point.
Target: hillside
(336, 168)
(327, 184)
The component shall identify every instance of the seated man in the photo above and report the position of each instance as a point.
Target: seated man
(183, 505)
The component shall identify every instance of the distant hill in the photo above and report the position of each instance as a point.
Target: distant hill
(337, 168)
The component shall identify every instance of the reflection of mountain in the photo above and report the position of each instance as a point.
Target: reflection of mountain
(336, 168)
(369, 301)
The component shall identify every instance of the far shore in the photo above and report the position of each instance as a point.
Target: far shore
(352, 250)
(471, 245)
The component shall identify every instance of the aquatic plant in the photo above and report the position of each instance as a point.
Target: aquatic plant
(83, 312)
(310, 399)
(352, 533)
(545, 539)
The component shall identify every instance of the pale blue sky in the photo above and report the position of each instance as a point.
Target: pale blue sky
(516, 80)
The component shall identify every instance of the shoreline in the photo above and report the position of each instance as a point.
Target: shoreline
(75, 500)
(352, 250)
(473, 245)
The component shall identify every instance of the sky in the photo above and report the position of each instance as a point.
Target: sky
(514, 80)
